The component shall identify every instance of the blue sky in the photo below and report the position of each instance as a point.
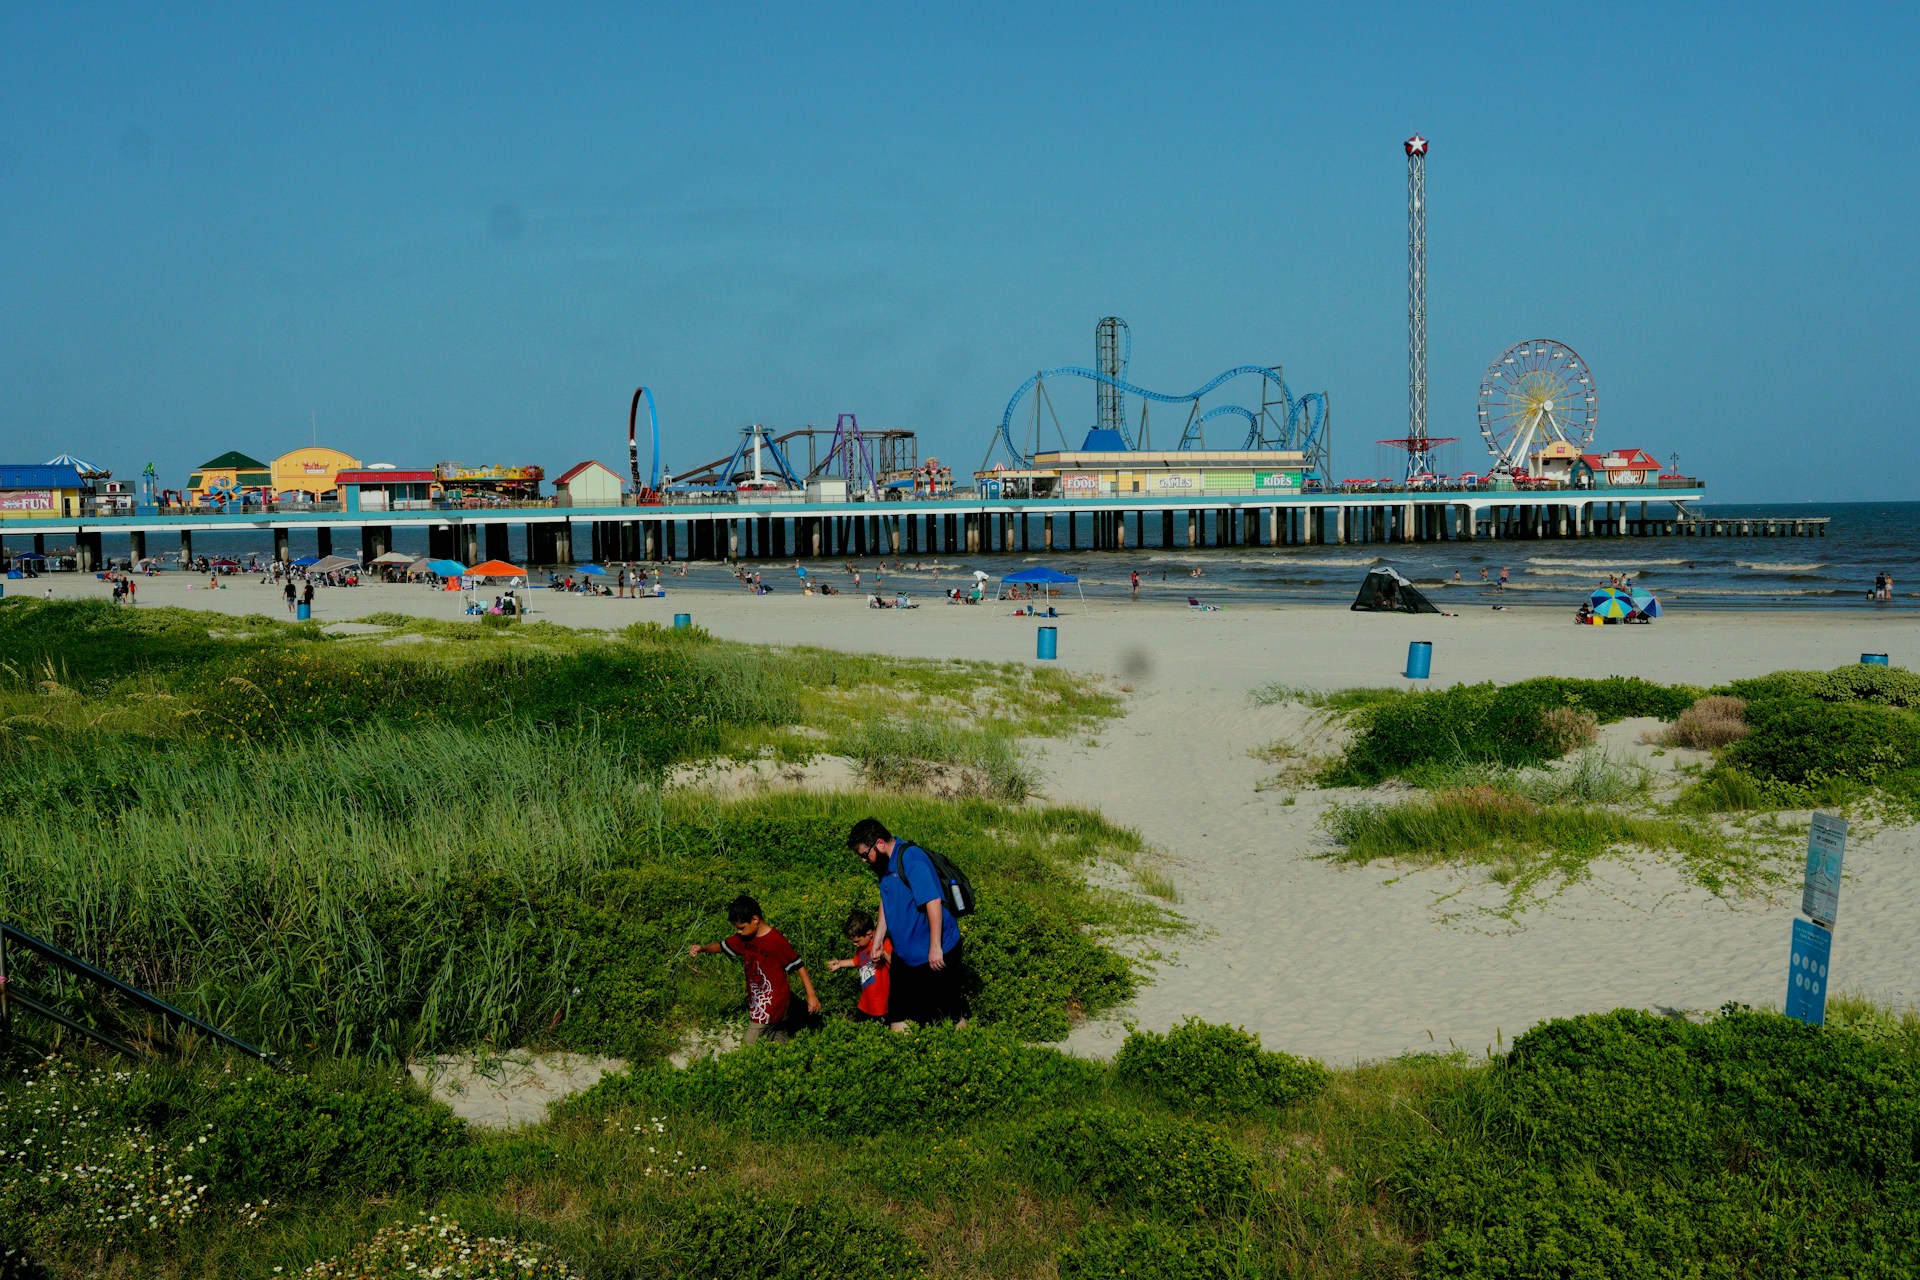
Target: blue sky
(469, 233)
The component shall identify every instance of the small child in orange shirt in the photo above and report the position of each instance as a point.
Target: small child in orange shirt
(875, 980)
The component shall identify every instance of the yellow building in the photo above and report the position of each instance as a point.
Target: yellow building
(40, 492)
(311, 471)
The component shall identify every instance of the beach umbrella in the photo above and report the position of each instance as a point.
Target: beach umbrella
(500, 569)
(1644, 601)
(446, 568)
(1610, 602)
(590, 570)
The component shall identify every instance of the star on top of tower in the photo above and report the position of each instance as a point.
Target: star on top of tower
(1416, 145)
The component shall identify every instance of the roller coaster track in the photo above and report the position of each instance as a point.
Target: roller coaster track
(1309, 409)
(633, 439)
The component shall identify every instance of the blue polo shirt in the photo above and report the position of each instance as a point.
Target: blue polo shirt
(902, 901)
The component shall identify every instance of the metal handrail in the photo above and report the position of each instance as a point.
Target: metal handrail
(100, 977)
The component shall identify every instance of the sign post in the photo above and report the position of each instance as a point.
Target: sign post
(1826, 846)
(1807, 973)
(1808, 956)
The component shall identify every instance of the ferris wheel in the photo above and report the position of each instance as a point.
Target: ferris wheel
(1535, 392)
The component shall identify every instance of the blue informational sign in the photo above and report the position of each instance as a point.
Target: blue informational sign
(1826, 845)
(1807, 973)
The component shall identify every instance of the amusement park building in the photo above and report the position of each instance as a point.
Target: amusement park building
(228, 476)
(29, 492)
(310, 471)
(1093, 473)
(590, 484)
(386, 490)
(1622, 467)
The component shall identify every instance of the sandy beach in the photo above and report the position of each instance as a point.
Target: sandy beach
(1342, 963)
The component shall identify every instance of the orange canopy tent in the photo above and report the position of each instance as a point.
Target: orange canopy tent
(496, 569)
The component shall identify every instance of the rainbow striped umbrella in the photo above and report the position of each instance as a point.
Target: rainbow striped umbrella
(1610, 602)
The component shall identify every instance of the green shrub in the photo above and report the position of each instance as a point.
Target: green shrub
(784, 1239)
(1803, 741)
(1205, 1066)
(1147, 1251)
(1034, 965)
(1179, 1167)
(1626, 1144)
(859, 1078)
(1526, 723)
(268, 1133)
(1887, 686)
(1662, 1092)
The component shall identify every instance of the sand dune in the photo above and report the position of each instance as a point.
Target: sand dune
(1342, 963)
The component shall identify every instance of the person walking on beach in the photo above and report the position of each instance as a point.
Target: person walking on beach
(767, 958)
(1135, 584)
(928, 972)
(290, 593)
(875, 981)
(1503, 578)
(306, 596)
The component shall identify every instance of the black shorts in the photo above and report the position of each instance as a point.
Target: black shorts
(927, 995)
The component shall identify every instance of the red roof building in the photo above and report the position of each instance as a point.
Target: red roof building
(589, 484)
(1621, 467)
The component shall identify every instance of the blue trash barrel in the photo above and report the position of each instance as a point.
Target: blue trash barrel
(302, 612)
(1419, 659)
(1049, 643)
(682, 620)
(1873, 659)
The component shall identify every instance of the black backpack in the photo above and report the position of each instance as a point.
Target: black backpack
(956, 891)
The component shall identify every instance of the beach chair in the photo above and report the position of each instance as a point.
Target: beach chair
(1193, 602)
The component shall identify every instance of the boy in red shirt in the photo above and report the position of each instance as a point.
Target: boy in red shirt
(876, 980)
(766, 955)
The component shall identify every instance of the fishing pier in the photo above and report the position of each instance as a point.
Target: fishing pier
(752, 527)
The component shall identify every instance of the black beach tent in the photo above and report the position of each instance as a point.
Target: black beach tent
(1384, 591)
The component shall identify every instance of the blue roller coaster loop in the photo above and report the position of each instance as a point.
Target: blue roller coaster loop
(1006, 419)
(633, 442)
(1193, 434)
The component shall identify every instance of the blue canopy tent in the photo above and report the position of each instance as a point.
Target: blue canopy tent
(446, 568)
(306, 562)
(1041, 576)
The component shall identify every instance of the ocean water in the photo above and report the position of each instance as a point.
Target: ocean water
(1833, 572)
